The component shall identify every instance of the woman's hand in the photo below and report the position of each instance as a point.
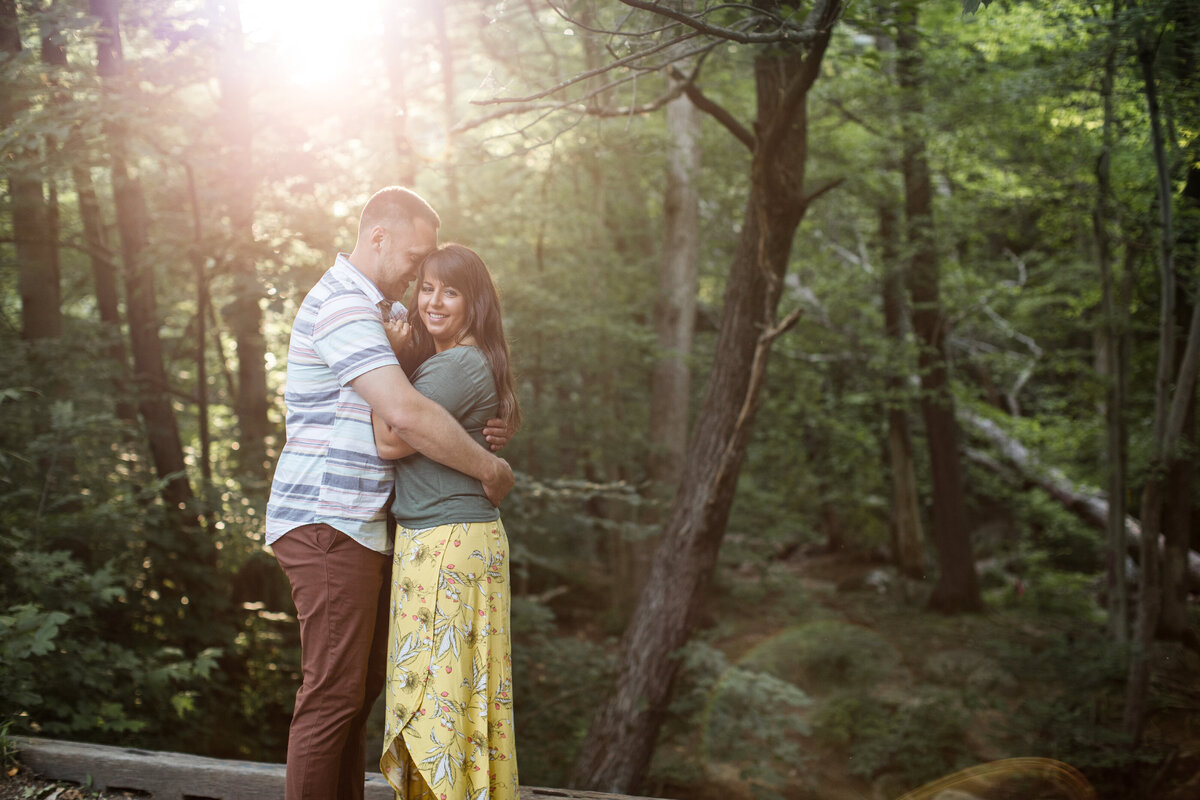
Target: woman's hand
(496, 433)
(398, 334)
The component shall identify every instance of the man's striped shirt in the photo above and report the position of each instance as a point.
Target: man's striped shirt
(329, 470)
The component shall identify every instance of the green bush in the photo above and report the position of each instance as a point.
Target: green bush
(59, 674)
(555, 679)
(724, 713)
(847, 716)
(824, 655)
(1073, 708)
(922, 739)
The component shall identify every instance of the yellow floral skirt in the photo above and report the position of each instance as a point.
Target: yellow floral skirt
(449, 724)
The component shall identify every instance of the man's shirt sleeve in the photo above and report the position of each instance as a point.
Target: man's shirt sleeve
(348, 336)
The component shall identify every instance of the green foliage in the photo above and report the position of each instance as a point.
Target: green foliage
(557, 675)
(8, 747)
(109, 630)
(921, 739)
(1074, 682)
(732, 714)
(823, 655)
(846, 716)
(57, 677)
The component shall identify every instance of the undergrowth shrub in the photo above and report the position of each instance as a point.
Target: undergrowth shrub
(917, 741)
(58, 675)
(556, 677)
(824, 655)
(1073, 705)
(732, 714)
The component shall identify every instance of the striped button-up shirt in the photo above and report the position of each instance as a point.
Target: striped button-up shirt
(329, 470)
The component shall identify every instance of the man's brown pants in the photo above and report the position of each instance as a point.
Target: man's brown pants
(341, 590)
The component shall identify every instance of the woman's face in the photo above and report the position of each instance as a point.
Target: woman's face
(443, 309)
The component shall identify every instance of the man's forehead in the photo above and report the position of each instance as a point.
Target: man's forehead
(423, 237)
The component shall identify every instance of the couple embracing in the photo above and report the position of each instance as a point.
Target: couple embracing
(387, 402)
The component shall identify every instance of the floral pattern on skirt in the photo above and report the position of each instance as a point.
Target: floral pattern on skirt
(449, 685)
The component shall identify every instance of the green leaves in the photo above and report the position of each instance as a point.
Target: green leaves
(28, 631)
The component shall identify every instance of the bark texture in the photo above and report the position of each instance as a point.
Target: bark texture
(908, 535)
(1116, 347)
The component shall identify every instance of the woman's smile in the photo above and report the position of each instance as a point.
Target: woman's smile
(444, 312)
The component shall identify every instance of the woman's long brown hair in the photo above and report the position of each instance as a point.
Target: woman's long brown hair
(461, 267)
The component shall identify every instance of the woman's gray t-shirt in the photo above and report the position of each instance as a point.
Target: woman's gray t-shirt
(428, 493)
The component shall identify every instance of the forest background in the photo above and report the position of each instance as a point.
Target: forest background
(857, 346)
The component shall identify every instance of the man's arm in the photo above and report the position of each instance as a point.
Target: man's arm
(387, 443)
(431, 430)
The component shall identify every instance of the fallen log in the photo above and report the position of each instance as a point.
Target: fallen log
(1086, 502)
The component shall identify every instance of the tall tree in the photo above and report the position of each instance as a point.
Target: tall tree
(396, 41)
(1115, 354)
(622, 734)
(908, 536)
(154, 401)
(1183, 84)
(675, 310)
(33, 216)
(957, 588)
(238, 181)
(95, 232)
(1174, 390)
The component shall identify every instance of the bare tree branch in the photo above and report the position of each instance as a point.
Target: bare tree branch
(579, 106)
(717, 112)
(607, 31)
(545, 43)
(850, 115)
(829, 187)
(785, 32)
(583, 76)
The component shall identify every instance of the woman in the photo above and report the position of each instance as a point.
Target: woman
(449, 730)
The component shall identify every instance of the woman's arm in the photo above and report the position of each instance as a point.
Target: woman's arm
(431, 429)
(387, 442)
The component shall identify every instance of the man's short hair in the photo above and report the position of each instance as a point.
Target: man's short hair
(396, 204)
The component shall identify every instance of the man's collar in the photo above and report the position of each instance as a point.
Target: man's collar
(350, 273)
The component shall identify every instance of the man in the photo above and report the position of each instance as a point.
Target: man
(326, 516)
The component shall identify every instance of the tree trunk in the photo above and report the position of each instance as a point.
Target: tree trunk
(675, 310)
(957, 589)
(154, 401)
(449, 118)
(395, 45)
(1149, 605)
(33, 220)
(244, 313)
(203, 301)
(620, 742)
(908, 537)
(1178, 519)
(1116, 365)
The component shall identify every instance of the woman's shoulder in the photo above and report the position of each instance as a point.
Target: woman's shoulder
(464, 358)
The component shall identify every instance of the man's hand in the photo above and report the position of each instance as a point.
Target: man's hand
(398, 334)
(496, 433)
(497, 486)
